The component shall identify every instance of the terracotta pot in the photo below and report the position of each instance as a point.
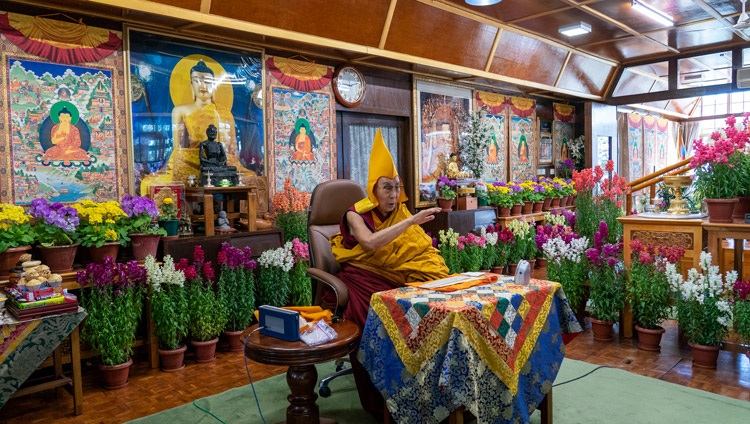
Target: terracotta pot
(515, 210)
(144, 245)
(537, 207)
(527, 208)
(234, 340)
(115, 376)
(498, 270)
(512, 269)
(445, 204)
(503, 211)
(9, 259)
(649, 340)
(97, 254)
(555, 202)
(541, 262)
(720, 210)
(59, 259)
(573, 200)
(532, 263)
(547, 204)
(704, 356)
(602, 330)
(740, 209)
(205, 351)
(172, 359)
(564, 201)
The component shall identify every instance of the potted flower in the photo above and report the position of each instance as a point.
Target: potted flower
(475, 139)
(273, 281)
(649, 292)
(741, 311)
(600, 198)
(521, 231)
(143, 233)
(703, 308)
(169, 310)
(489, 254)
(168, 216)
(54, 229)
(482, 194)
(607, 284)
(300, 287)
(503, 246)
(500, 197)
(721, 169)
(15, 237)
(446, 188)
(567, 264)
(291, 211)
(516, 194)
(100, 229)
(112, 294)
(236, 291)
(471, 249)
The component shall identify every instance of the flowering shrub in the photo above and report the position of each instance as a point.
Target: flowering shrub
(649, 291)
(489, 256)
(599, 199)
(291, 206)
(100, 222)
(499, 195)
(533, 191)
(446, 188)
(168, 301)
(448, 246)
(167, 209)
(114, 303)
(523, 237)
(300, 285)
(607, 277)
(141, 213)
(504, 244)
(721, 167)
(15, 229)
(471, 249)
(55, 223)
(274, 285)
(237, 285)
(207, 313)
(565, 168)
(567, 265)
(741, 310)
(703, 307)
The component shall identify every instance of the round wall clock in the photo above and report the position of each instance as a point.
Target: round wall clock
(348, 85)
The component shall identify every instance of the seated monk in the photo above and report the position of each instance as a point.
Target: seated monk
(382, 246)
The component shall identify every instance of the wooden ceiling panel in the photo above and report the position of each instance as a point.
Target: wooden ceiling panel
(585, 75)
(425, 31)
(513, 10)
(628, 48)
(338, 20)
(549, 26)
(703, 34)
(185, 4)
(682, 11)
(513, 58)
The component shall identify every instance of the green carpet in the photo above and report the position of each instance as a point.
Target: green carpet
(608, 395)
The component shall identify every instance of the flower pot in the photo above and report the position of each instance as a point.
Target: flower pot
(704, 356)
(527, 208)
(720, 210)
(170, 226)
(59, 259)
(602, 330)
(547, 204)
(445, 204)
(234, 340)
(497, 270)
(555, 202)
(115, 376)
(541, 262)
(564, 201)
(503, 211)
(205, 351)
(481, 202)
(532, 263)
(9, 259)
(649, 340)
(515, 210)
(172, 359)
(109, 249)
(537, 207)
(740, 209)
(144, 245)
(512, 269)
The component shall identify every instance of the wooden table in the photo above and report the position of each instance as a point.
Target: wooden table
(301, 359)
(234, 195)
(715, 233)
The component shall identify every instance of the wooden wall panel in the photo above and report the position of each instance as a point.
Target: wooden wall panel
(185, 4)
(527, 58)
(585, 75)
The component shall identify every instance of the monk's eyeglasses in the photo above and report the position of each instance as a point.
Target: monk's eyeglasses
(390, 189)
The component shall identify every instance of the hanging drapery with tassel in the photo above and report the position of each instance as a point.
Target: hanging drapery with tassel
(521, 106)
(299, 75)
(61, 42)
(564, 113)
(493, 102)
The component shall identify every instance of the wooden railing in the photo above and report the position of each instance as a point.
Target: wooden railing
(651, 180)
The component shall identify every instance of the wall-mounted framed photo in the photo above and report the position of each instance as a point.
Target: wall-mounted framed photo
(438, 111)
(545, 143)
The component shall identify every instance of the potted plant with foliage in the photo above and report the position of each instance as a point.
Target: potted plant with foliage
(168, 216)
(567, 264)
(55, 230)
(140, 225)
(447, 244)
(600, 198)
(291, 211)
(100, 230)
(475, 137)
(503, 245)
(703, 308)
(649, 292)
(300, 287)
(446, 190)
(471, 249)
(15, 237)
(741, 311)
(521, 234)
(273, 282)
(500, 196)
(489, 253)
(169, 310)
(236, 291)
(112, 294)
(607, 284)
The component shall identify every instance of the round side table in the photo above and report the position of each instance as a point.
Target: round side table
(301, 359)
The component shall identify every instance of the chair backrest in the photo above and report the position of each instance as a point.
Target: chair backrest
(328, 202)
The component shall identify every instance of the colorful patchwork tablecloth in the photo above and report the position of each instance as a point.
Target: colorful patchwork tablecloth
(24, 345)
(495, 349)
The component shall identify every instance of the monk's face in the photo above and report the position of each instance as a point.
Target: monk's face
(387, 192)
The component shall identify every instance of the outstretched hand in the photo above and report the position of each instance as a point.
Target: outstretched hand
(426, 215)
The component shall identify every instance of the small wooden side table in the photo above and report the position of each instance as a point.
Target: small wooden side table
(233, 195)
(301, 359)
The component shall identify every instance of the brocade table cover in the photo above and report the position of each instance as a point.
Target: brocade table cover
(25, 344)
(495, 349)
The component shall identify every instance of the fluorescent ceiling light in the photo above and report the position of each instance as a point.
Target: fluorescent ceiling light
(482, 2)
(653, 13)
(579, 28)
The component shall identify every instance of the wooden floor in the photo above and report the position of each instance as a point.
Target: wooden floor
(151, 391)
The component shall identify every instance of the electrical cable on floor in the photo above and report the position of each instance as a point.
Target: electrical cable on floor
(247, 369)
(578, 378)
(208, 412)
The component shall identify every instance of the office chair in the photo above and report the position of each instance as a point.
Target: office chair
(328, 203)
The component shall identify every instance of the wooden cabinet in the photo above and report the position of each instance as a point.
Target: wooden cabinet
(462, 222)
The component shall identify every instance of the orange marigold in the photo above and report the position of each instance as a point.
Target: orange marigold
(291, 200)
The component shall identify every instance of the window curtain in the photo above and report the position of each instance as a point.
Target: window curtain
(360, 145)
(689, 134)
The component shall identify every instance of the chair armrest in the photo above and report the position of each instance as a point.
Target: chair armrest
(338, 286)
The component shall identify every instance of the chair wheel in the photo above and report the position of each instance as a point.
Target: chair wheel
(340, 367)
(324, 391)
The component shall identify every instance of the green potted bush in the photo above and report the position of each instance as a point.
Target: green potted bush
(236, 291)
(207, 313)
(169, 310)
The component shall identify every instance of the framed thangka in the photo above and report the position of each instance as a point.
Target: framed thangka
(635, 145)
(562, 134)
(439, 110)
(649, 144)
(303, 134)
(180, 87)
(497, 152)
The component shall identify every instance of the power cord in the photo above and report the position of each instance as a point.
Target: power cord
(247, 369)
(578, 378)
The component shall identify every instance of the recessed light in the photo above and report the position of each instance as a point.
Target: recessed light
(579, 28)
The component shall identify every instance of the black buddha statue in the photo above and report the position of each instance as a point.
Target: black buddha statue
(213, 160)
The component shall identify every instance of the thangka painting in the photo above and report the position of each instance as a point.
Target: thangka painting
(522, 148)
(180, 87)
(303, 134)
(439, 111)
(562, 134)
(63, 115)
(495, 107)
(635, 145)
(662, 140)
(649, 144)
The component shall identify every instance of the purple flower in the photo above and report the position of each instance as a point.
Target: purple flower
(138, 205)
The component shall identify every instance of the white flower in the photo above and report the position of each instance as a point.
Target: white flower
(165, 274)
(282, 258)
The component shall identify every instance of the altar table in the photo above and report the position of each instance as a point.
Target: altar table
(495, 349)
(25, 344)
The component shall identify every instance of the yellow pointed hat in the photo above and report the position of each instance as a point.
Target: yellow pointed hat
(381, 165)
